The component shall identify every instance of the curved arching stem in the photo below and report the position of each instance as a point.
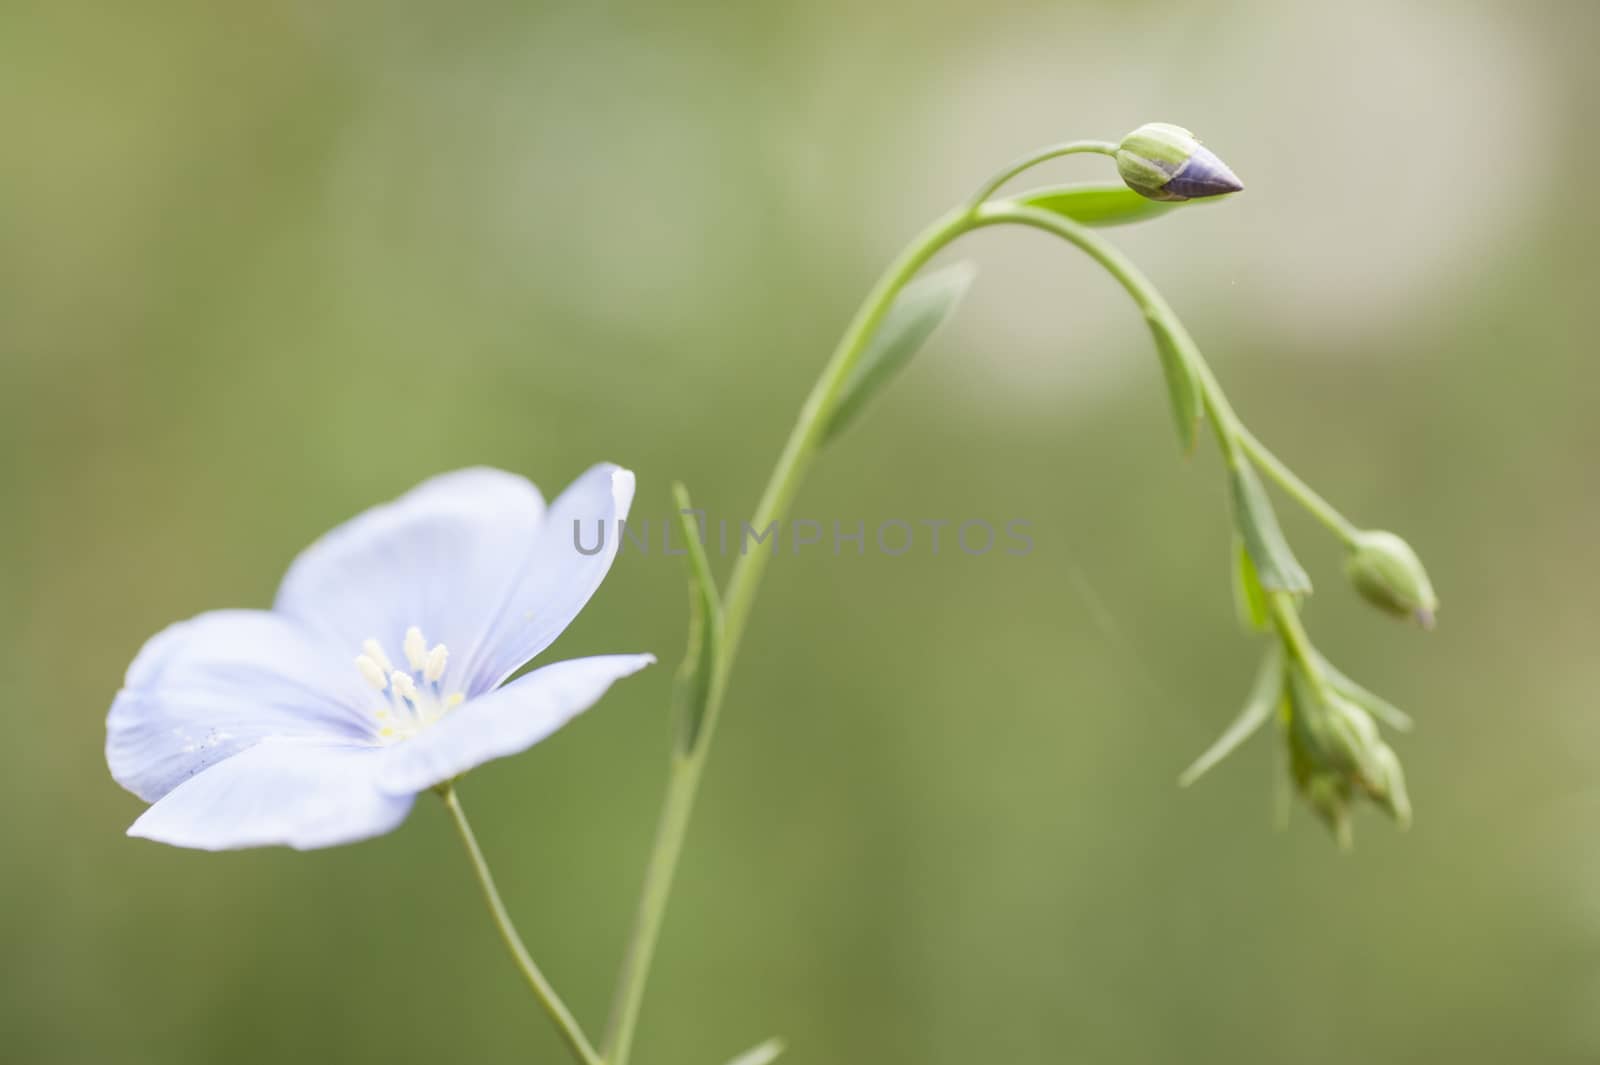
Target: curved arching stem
(800, 450)
(1028, 162)
(1144, 294)
(1232, 432)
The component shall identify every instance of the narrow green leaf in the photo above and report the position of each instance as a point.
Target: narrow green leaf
(1276, 566)
(691, 690)
(1258, 709)
(1177, 366)
(1096, 205)
(1249, 598)
(1370, 701)
(764, 1054)
(907, 325)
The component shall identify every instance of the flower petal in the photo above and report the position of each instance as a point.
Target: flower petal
(504, 722)
(571, 556)
(440, 557)
(205, 689)
(290, 793)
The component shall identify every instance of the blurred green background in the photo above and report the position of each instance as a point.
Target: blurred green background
(262, 265)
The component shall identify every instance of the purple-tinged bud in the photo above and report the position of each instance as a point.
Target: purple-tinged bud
(1161, 161)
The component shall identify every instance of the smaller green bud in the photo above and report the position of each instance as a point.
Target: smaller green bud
(1389, 575)
(1390, 787)
(1373, 766)
(1161, 161)
(1348, 736)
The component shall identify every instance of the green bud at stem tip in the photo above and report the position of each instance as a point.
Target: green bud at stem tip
(1161, 161)
(1337, 755)
(1388, 574)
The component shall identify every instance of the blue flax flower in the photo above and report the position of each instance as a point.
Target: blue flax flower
(377, 673)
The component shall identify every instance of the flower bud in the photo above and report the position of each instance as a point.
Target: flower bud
(1165, 162)
(1389, 575)
(1328, 796)
(1390, 792)
(1347, 736)
(1336, 754)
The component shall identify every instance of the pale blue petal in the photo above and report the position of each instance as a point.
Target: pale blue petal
(205, 689)
(442, 557)
(504, 722)
(290, 793)
(563, 572)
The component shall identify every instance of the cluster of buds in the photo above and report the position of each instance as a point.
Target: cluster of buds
(1328, 722)
(1329, 725)
(1336, 752)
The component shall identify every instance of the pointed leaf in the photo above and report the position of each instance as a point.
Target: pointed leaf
(1177, 366)
(692, 686)
(1276, 566)
(1263, 700)
(1249, 599)
(764, 1054)
(1096, 205)
(907, 325)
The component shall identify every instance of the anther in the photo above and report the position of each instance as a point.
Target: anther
(374, 651)
(404, 686)
(416, 649)
(372, 672)
(434, 668)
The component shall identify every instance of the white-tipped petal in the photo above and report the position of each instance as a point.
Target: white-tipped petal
(567, 564)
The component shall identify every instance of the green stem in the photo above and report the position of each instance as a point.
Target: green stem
(1231, 430)
(683, 779)
(565, 1022)
(809, 428)
(1144, 294)
(1297, 489)
(1028, 162)
(1286, 617)
(683, 782)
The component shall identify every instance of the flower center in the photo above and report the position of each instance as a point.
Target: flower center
(416, 699)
